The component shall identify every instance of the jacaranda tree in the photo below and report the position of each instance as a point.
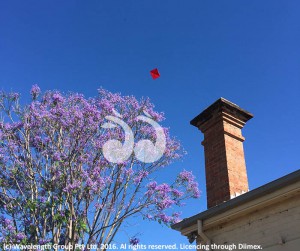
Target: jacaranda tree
(73, 170)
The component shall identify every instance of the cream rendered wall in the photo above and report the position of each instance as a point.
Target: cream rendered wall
(276, 227)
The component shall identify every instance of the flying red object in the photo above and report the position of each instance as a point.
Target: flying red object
(154, 73)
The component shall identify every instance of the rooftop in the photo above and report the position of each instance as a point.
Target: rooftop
(244, 198)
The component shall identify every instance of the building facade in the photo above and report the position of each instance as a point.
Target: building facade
(266, 218)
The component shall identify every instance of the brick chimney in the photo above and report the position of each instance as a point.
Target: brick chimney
(225, 167)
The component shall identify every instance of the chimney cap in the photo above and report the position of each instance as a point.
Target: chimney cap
(220, 105)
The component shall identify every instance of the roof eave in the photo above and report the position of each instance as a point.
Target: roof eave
(246, 197)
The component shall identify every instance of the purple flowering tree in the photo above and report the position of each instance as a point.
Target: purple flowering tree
(56, 186)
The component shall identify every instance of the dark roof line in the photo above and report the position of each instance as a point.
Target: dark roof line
(251, 195)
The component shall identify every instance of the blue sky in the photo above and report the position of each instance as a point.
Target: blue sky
(245, 51)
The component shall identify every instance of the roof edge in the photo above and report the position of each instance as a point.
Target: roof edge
(246, 197)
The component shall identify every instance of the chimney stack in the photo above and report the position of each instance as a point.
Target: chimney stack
(225, 167)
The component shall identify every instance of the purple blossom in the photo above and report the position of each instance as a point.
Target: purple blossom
(20, 236)
(129, 172)
(35, 91)
(56, 156)
(186, 176)
(163, 189)
(73, 186)
(177, 193)
(165, 218)
(134, 241)
(10, 228)
(65, 159)
(98, 206)
(142, 174)
(193, 187)
(43, 199)
(14, 96)
(7, 222)
(165, 203)
(57, 97)
(152, 185)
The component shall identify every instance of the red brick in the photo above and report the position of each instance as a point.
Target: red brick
(225, 166)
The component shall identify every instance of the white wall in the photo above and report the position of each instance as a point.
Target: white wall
(275, 228)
